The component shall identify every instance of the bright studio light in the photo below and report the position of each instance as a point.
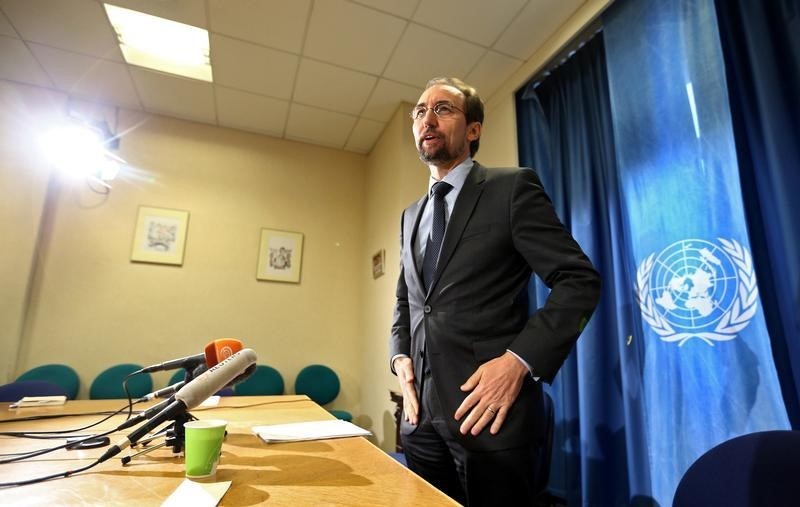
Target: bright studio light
(74, 149)
(80, 152)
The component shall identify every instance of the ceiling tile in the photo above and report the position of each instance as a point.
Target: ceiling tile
(252, 67)
(6, 28)
(546, 16)
(190, 12)
(248, 111)
(424, 53)
(492, 70)
(175, 96)
(274, 23)
(364, 135)
(479, 21)
(385, 98)
(318, 126)
(402, 8)
(352, 36)
(80, 26)
(18, 64)
(88, 77)
(331, 87)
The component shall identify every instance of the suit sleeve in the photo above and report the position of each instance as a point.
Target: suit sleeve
(558, 260)
(400, 339)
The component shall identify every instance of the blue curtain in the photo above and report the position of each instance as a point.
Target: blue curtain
(761, 46)
(564, 127)
(633, 140)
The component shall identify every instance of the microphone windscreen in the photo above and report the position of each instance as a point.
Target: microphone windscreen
(221, 349)
(217, 377)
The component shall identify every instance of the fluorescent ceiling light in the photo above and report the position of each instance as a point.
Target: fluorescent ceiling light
(161, 44)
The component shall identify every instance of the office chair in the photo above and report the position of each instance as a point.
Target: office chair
(17, 390)
(752, 470)
(58, 374)
(108, 383)
(321, 384)
(176, 377)
(266, 380)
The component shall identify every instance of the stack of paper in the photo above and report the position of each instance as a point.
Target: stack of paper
(311, 430)
(39, 401)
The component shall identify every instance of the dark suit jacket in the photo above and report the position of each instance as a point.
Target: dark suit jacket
(502, 227)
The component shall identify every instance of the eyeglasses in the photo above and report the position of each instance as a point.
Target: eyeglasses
(440, 109)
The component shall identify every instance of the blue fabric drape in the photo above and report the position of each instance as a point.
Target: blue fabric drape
(677, 357)
(761, 46)
(564, 128)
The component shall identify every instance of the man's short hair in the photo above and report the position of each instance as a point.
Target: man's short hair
(473, 105)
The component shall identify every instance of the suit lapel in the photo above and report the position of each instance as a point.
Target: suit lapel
(465, 204)
(410, 234)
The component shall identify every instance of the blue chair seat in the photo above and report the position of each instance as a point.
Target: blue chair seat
(58, 374)
(17, 390)
(341, 414)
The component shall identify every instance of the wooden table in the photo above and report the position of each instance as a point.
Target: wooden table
(345, 471)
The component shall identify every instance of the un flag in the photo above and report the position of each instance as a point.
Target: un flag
(707, 373)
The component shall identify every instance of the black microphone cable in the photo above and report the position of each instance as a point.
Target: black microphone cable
(81, 442)
(59, 475)
(57, 433)
(39, 452)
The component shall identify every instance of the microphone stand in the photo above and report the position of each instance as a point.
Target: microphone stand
(174, 434)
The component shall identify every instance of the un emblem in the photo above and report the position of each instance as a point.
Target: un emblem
(696, 289)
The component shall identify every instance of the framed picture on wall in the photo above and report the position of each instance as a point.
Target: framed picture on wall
(160, 235)
(280, 256)
(377, 263)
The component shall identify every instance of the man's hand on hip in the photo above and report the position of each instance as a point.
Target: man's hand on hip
(405, 376)
(495, 386)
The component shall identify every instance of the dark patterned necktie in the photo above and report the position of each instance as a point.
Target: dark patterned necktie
(434, 245)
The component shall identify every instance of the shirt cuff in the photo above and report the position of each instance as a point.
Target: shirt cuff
(524, 362)
(391, 361)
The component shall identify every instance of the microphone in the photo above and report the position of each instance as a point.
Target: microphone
(170, 390)
(191, 395)
(215, 352)
(161, 393)
(147, 414)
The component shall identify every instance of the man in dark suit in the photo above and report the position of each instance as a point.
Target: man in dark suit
(467, 355)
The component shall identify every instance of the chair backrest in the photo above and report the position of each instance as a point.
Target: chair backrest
(59, 374)
(16, 390)
(266, 380)
(751, 470)
(176, 377)
(318, 382)
(108, 384)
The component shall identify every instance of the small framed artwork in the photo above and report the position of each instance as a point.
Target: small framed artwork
(377, 263)
(160, 235)
(280, 256)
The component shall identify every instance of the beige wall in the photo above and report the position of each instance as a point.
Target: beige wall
(395, 177)
(92, 307)
(23, 180)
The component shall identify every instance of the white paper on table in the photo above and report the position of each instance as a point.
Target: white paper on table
(197, 494)
(310, 430)
(211, 401)
(39, 401)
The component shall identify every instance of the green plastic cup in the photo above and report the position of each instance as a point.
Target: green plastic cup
(203, 446)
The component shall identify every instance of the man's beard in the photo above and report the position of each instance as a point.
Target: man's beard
(437, 155)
